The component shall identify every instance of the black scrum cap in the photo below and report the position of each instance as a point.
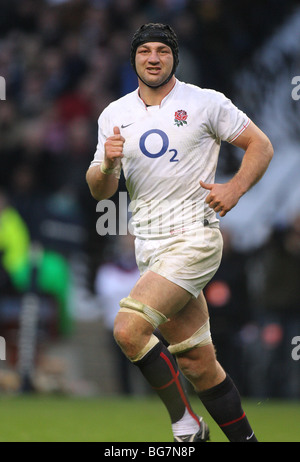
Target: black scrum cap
(155, 32)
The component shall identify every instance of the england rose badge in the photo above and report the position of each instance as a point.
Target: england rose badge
(180, 118)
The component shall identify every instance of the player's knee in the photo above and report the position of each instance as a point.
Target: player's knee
(198, 365)
(195, 355)
(192, 367)
(130, 333)
(123, 335)
(134, 325)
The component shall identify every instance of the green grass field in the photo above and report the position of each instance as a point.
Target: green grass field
(63, 419)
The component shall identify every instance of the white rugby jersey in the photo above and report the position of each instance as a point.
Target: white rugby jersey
(168, 149)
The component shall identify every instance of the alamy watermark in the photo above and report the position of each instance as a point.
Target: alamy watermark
(2, 88)
(296, 349)
(296, 89)
(153, 217)
(2, 349)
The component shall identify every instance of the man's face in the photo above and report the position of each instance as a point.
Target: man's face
(154, 62)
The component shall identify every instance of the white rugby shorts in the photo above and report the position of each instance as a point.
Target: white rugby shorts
(189, 259)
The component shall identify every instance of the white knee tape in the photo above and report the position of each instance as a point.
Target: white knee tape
(150, 314)
(201, 337)
(152, 342)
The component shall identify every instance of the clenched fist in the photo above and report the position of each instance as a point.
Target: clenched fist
(113, 149)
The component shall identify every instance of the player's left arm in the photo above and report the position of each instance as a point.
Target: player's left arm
(258, 154)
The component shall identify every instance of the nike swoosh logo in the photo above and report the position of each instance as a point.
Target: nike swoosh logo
(249, 437)
(128, 125)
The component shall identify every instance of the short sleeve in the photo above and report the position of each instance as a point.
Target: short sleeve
(227, 122)
(103, 133)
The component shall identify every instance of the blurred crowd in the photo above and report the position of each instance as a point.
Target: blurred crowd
(63, 62)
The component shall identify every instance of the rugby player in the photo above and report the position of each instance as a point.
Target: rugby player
(166, 136)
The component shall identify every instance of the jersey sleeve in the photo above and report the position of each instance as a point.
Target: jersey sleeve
(104, 131)
(227, 122)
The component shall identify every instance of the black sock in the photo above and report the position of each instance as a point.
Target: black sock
(161, 371)
(223, 402)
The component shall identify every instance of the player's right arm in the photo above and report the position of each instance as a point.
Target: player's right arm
(101, 179)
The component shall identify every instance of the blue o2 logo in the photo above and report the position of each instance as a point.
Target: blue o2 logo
(165, 143)
(164, 147)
